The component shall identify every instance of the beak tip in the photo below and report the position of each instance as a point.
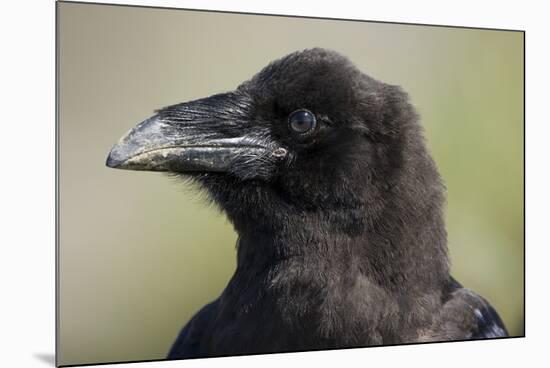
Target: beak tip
(113, 161)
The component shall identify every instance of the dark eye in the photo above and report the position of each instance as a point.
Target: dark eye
(302, 121)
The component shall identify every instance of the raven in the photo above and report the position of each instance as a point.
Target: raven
(338, 205)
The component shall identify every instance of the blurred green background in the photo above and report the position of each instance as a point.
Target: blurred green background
(140, 253)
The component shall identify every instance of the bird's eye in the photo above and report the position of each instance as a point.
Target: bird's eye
(302, 121)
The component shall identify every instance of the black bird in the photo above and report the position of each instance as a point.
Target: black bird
(324, 173)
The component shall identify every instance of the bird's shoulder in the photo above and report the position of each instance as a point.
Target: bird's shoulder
(465, 315)
(188, 343)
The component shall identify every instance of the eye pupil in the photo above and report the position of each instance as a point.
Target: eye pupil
(302, 121)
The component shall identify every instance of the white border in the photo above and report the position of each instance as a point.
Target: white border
(27, 182)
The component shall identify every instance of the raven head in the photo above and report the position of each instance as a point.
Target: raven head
(308, 132)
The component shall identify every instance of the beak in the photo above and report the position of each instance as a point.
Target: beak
(207, 135)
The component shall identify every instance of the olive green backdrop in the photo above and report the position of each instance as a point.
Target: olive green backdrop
(139, 253)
